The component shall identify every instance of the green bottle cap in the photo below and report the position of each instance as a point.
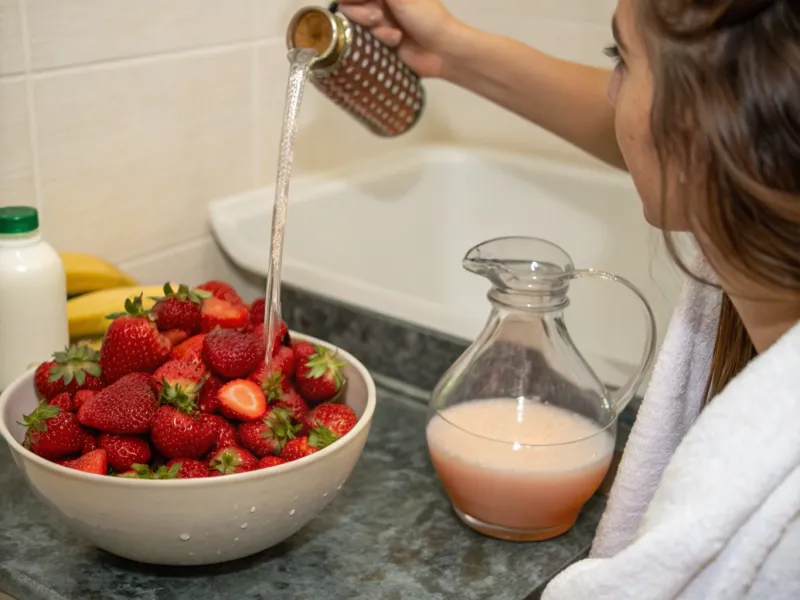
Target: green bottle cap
(15, 220)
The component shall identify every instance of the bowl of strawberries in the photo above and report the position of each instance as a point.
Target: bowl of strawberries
(177, 442)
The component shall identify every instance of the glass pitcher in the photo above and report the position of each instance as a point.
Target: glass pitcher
(521, 430)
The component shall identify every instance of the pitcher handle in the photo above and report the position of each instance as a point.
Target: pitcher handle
(623, 395)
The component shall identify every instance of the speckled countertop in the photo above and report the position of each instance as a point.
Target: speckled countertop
(389, 535)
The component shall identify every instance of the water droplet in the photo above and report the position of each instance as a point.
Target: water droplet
(235, 507)
(291, 512)
(325, 495)
(340, 486)
(235, 539)
(297, 497)
(191, 553)
(219, 551)
(244, 525)
(185, 537)
(252, 509)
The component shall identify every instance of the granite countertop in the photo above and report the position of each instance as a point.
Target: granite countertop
(390, 534)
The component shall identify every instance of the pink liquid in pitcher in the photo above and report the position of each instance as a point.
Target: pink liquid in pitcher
(518, 469)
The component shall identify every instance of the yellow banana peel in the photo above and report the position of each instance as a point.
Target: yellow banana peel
(87, 273)
(87, 313)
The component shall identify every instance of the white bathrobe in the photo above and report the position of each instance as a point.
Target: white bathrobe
(705, 505)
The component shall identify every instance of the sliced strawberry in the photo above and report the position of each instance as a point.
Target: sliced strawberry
(191, 350)
(223, 314)
(221, 290)
(53, 433)
(242, 400)
(95, 462)
(270, 461)
(188, 468)
(175, 336)
(232, 460)
(74, 369)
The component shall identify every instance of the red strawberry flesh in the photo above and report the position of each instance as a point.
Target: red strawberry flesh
(95, 462)
(242, 400)
(53, 433)
(223, 314)
(232, 354)
(124, 407)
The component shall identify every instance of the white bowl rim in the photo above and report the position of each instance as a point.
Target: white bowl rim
(364, 421)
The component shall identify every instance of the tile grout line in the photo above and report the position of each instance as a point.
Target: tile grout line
(128, 61)
(30, 100)
(256, 108)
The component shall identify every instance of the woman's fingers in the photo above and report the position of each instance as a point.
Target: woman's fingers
(388, 35)
(368, 14)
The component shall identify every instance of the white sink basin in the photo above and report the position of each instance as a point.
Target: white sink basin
(390, 235)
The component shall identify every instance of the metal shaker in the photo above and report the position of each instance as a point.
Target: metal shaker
(358, 72)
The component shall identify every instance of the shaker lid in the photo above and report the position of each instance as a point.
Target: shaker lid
(18, 219)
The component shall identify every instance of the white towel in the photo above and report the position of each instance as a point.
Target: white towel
(713, 513)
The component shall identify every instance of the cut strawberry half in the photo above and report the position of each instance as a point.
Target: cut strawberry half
(224, 314)
(242, 400)
(95, 462)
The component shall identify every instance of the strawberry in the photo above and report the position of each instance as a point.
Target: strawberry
(124, 450)
(143, 471)
(232, 354)
(281, 335)
(257, 311)
(232, 459)
(76, 368)
(319, 376)
(221, 290)
(242, 400)
(297, 448)
(208, 401)
(278, 379)
(189, 351)
(81, 396)
(89, 443)
(63, 401)
(53, 433)
(180, 382)
(180, 433)
(336, 419)
(268, 436)
(132, 343)
(95, 462)
(175, 336)
(270, 461)
(179, 309)
(224, 431)
(124, 408)
(220, 313)
(188, 468)
(292, 401)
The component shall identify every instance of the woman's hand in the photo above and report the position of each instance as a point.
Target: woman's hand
(420, 30)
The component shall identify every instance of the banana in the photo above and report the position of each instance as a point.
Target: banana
(87, 273)
(87, 313)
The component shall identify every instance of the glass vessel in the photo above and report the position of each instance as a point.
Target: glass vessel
(521, 430)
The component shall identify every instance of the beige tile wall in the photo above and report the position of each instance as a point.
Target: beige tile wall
(120, 120)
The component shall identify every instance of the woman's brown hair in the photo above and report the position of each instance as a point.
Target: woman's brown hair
(726, 112)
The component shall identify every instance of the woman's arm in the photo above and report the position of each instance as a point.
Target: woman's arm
(566, 98)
